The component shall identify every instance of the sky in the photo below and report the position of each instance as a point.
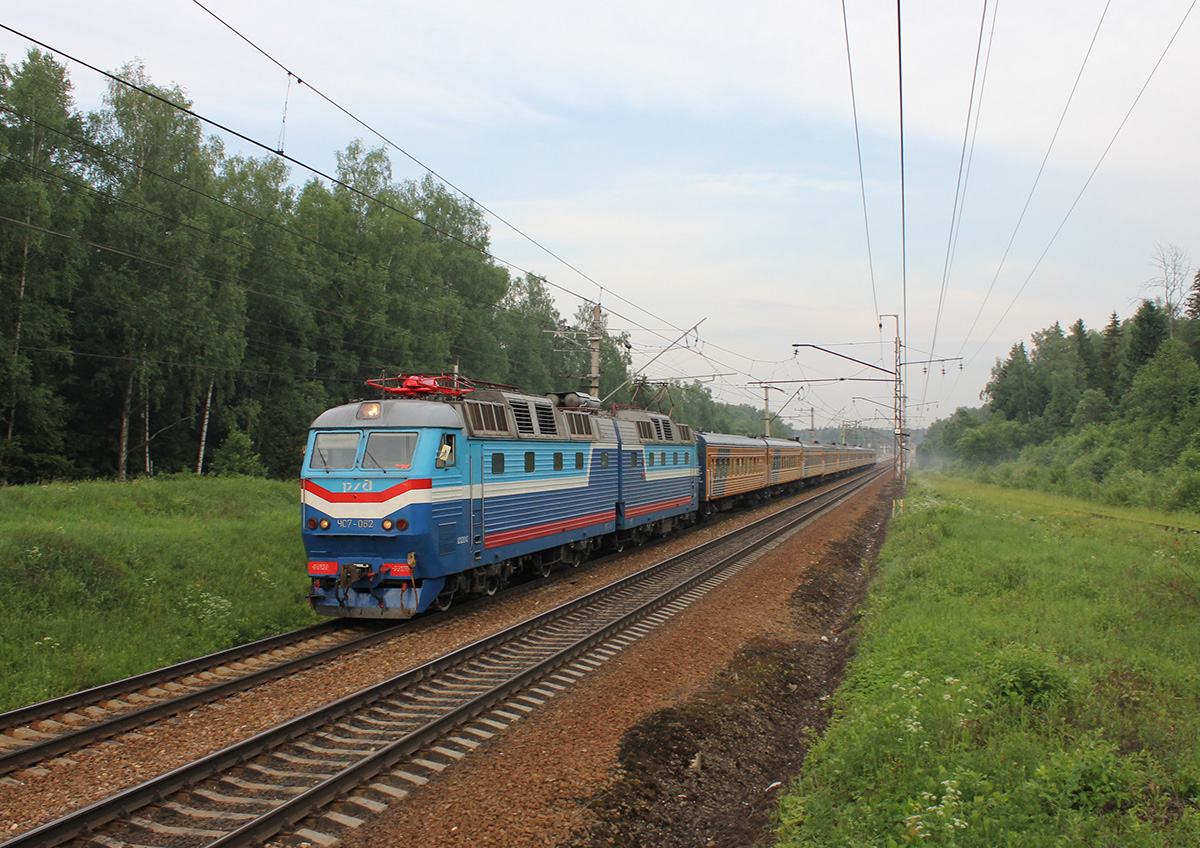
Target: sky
(694, 166)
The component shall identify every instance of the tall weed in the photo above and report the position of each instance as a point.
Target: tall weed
(1023, 677)
(106, 580)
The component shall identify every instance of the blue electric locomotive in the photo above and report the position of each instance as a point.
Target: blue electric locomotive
(446, 489)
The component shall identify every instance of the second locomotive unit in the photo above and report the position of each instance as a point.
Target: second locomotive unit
(445, 488)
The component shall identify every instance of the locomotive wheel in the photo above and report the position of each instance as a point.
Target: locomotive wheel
(491, 584)
(442, 602)
(545, 568)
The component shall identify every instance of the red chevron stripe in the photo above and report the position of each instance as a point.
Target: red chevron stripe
(366, 497)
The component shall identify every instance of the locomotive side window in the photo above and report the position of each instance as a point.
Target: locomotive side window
(558, 461)
(445, 454)
(604, 460)
(334, 450)
(529, 465)
(497, 463)
(579, 461)
(389, 451)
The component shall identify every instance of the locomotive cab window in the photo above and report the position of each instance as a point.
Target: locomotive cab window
(334, 450)
(389, 451)
(445, 454)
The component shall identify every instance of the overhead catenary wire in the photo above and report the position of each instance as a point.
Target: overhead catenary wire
(423, 166)
(427, 168)
(1041, 168)
(1091, 175)
(959, 187)
(369, 197)
(862, 182)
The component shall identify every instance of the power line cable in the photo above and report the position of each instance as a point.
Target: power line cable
(245, 286)
(959, 187)
(1041, 168)
(356, 191)
(300, 264)
(315, 170)
(1088, 181)
(378, 134)
(862, 182)
(903, 211)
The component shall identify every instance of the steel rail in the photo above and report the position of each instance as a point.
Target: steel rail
(106, 691)
(71, 740)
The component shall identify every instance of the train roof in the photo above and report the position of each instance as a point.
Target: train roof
(391, 413)
(731, 440)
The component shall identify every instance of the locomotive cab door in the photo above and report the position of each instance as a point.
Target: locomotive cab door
(451, 516)
(474, 484)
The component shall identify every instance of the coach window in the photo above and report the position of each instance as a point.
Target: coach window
(529, 465)
(579, 461)
(497, 463)
(558, 461)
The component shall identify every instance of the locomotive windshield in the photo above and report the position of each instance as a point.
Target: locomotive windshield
(389, 450)
(334, 450)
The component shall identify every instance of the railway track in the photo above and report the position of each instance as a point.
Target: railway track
(330, 768)
(48, 729)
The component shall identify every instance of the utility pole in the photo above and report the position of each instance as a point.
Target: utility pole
(594, 343)
(812, 425)
(767, 410)
(897, 404)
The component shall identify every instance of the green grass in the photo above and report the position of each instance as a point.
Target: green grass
(1027, 675)
(103, 580)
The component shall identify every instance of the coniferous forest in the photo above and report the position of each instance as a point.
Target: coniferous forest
(1109, 414)
(171, 307)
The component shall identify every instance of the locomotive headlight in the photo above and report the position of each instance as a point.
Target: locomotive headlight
(370, 410)
(312, 524)
(324, 523)
(387, 524)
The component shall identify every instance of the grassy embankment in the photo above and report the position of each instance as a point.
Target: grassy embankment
(103, 580)
(1028, 674)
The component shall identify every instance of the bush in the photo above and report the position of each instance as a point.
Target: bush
(1029, 675)
(236, 457)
